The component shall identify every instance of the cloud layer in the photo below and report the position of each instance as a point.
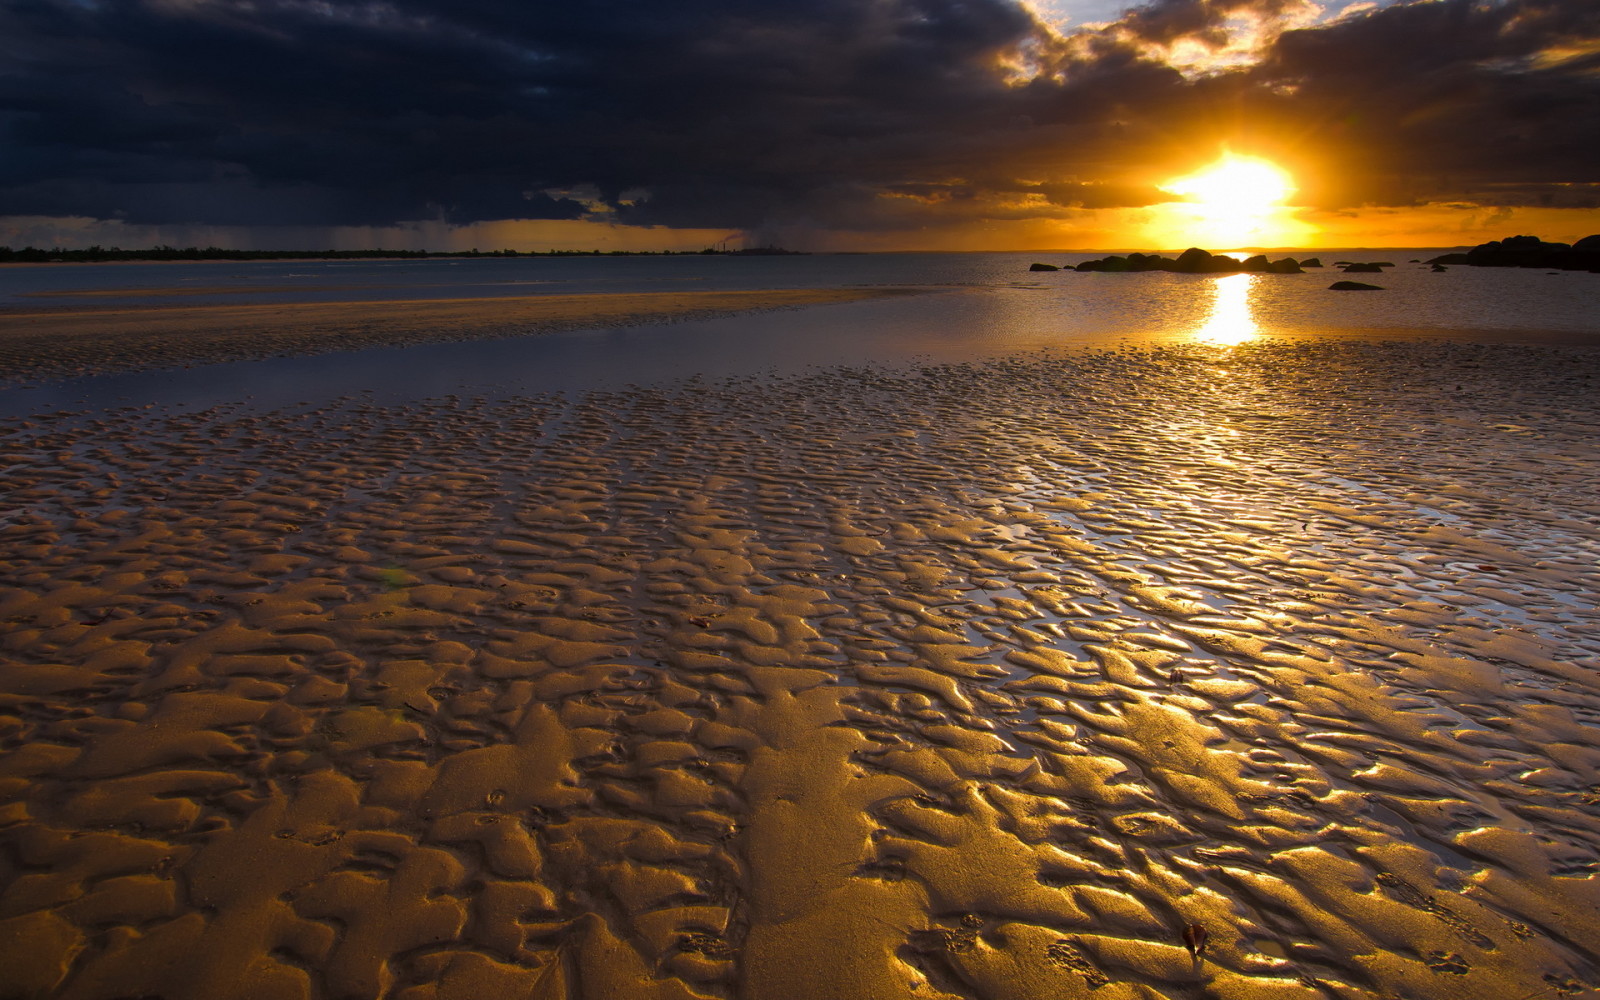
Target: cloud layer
(766, 116)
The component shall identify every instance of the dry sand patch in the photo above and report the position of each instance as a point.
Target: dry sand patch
(967, 681)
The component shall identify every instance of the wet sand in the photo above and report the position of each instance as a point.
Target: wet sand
(988, 680)
(42, 344)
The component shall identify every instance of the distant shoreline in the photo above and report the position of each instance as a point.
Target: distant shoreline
(165, 254)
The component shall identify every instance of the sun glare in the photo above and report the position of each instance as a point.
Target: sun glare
(1234, 200)
(1231, 320)
(1241, 185)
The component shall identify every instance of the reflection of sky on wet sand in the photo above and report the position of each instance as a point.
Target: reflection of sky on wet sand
(1103, 626)
(945, 325)
(1231, 320)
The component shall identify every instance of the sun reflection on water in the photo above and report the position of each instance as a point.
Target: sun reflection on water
(1231, 320)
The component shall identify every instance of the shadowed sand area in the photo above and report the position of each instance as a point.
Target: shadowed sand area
(41, 344)
(976, 680)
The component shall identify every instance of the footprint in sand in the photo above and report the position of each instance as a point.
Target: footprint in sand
(1447, 962)
(1067, 955)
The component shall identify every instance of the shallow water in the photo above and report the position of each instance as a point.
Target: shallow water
(986, 306)
(945, 325)
(1478, 298)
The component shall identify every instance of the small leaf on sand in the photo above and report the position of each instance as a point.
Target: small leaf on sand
(1194, 938)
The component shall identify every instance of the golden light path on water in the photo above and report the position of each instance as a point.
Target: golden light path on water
(1231, 320)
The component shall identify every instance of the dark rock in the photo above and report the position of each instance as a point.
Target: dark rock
(1529, 243)
(1354, 286)
(1111, 263)
(1132, 262)
(1311, 262)
(1364, 268)
(1439, 267)
(1448, 258)
(1149, 262)
(1043, 267)
(1192, 261)
(1530, 251)
(1197, 261)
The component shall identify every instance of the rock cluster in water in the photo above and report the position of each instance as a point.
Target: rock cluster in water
(1354, 286)
(1530, 251)
(1191, 261)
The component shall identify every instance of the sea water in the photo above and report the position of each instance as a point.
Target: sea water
(977, 305)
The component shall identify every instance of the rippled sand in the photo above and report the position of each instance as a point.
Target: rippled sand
(40, 344)
(992, 680)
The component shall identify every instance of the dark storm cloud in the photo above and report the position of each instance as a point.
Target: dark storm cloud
(1166, 21)
(1498, 104)
(738, 114)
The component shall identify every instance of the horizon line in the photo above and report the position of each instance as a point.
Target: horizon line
(183, 254)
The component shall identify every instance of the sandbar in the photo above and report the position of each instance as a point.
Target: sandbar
(40, 344)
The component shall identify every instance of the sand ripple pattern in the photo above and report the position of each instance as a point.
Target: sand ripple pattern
(963, 681)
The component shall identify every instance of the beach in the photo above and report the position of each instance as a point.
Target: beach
(1161, 670)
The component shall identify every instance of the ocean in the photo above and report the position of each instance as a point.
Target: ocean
(980, 305)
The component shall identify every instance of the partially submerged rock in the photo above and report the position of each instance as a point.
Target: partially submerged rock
(1043, 267)
(1192, 261)
(1530, 251)
(1197, 261)
(1354, 286)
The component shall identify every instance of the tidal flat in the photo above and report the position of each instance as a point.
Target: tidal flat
(987, 679)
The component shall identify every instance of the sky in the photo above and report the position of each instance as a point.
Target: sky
(810, 124)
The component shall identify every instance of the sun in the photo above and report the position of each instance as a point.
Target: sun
(1232, 201)
(1243, 185)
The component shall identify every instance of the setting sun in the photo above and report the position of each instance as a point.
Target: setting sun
(1235, 185)
(1235, 200)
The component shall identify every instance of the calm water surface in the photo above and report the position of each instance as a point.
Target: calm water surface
(979, 305)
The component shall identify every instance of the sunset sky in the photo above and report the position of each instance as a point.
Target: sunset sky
(813, 124)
